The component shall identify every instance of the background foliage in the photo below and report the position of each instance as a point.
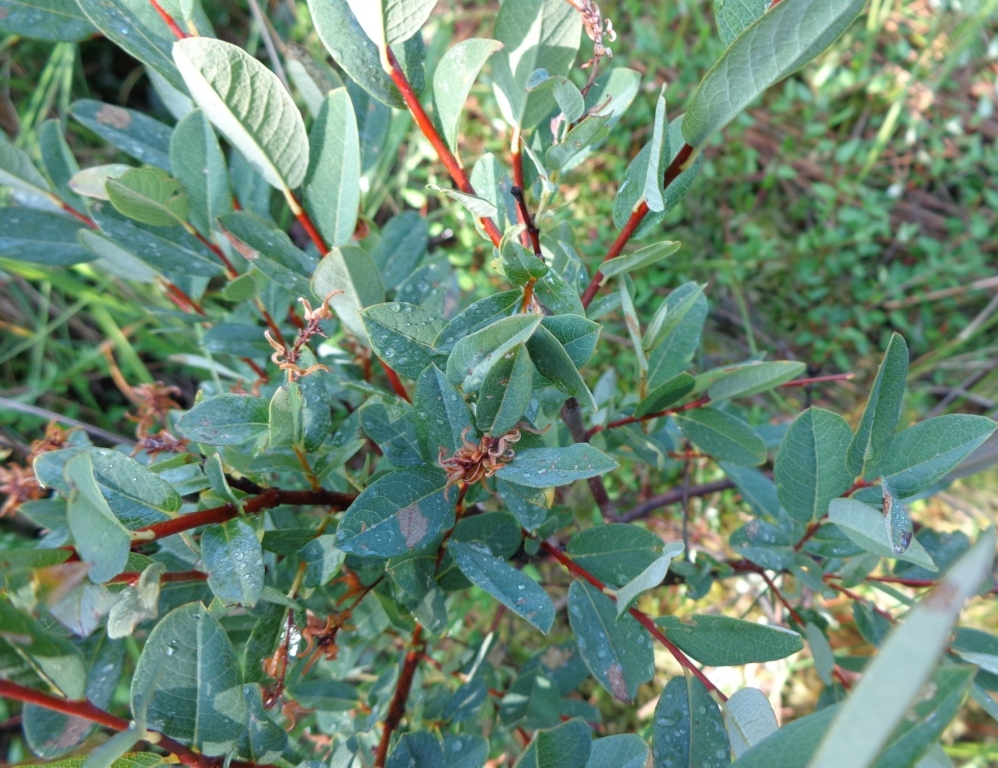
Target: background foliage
(852, 200)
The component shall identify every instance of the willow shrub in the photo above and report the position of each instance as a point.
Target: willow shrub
(382, 539)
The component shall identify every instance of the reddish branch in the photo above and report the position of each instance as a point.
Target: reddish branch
(700, 402)
(176, 30)
(272, 497)
(671, 173)
(432, 135)
(675, 496)
(131, 577)
(396, 709)
(577, 570)
(84, 709)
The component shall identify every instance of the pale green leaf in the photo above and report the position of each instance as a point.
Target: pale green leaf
(510, 586)
(906, 661)
(40, 237)
(724, 641)
(351, 270)
(52, 20)
(864, 525)
(475, 354)
(618, 652)
(883, 409)
(269, 250)
(505, 393)
(479, 206)
(564, 746)
(198, 162)
(150, 196)
(648, 579)
(547, 467)
(249, 105)
(226, 420)
(749, 718)
(332, 184)
(16, 168)
(643, 257)
(553, 362)
(233, 559)
(810, 468)
(751, 379)
(723, 436)
(453, 78)
(402, 335)
(100, 537)
(791, 33)
(688, 730)
(616, 553)
(188, 683)
(443, 419)
(733, 16)
(623, 750)
(134, 133)
(398, 513)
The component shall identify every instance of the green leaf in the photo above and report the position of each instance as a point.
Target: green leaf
(115, 260)
(479, 206)
(643, 257)
(751, 379)
(170, 251)
(353, 50)
(749, 718)
(137, 496)
(269, 250)
(793, 744)
(128, 760)
(673, 336)
(263, 741)
(442, 416)
(505, 393)
(398, 513)
(733, 16)
(332, 184)
(452, 81)
(577, 334)
(648, 579)
(416, 750)
(883, 409)
(665, 394)
(249, 105)
(553, 362)
(640, 172)
(658, 151)
(402, 335)
(17, 170)
(498, 531)
(564, 746)
(350, 270)
(590, 131)
(475, 354)
(394, 428)
(864, 525)
(810, 468)
(510, 586)
(535, 35)
(618, 652)
(135, 134)
(688, 730)
(322, 559)
(403, 242)
(136, 28)
(387, 22)
(226, 420)
(32, 657)
(58, 161)
(40, 237)
(617, 553)
(557, 295)
(925, 453)
(479, 315)
(623, 750)
(792, 33)
(722, 436)
(187, 681)
(52, 20)
(198, 162)
(136, 604)
(722, 641)
(151, 196)
(906, 661)
(99, 536)
(233, 558)
(547, 467)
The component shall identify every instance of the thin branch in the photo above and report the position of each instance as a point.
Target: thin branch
(646, 621)
(44, 413)
(637, 215)
(532, 232)
(432, 135)
(396, 709)
(571, 414)
(84, 709)
(860, 599)
(700, 402)
(131, 577)
(674, 496)
(176, 30)
(393, 378)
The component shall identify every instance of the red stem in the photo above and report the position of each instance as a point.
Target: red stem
(306, 222)
(395, 381)
(76, 214)
(88, 711)
(436, 140)
(859, 598)
(671, 173)
(817, 379)
(397, 707)
(177, 31)
(700, 402)
(130, 577)
(231, 270)
(272, 497)
(577, 570)
(779, 596)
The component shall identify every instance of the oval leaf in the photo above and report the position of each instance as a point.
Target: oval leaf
(233, 559)
(547, 467)
(722, 641)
